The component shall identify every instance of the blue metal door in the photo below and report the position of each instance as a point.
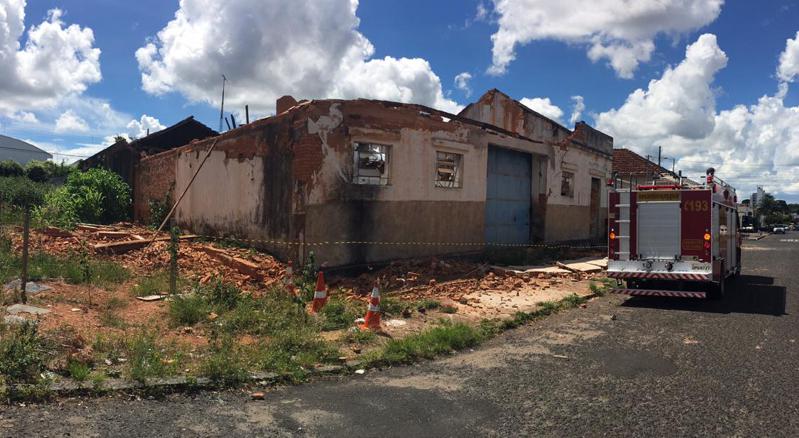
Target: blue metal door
(508, 197)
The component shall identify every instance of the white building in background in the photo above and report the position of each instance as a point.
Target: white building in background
(757, 197)
(20, 151)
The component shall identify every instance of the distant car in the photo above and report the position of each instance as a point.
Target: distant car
(749, 229)
(779, 229)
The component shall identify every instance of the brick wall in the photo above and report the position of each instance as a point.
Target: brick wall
(155, 178)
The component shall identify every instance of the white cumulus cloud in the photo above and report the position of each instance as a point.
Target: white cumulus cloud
(749, 145)
(577, 110)
(788, 68)
(620, 31)
(267, 49)
(140, 128)
(69, 122)
(56, 60)
(462, 83)
(543, 106)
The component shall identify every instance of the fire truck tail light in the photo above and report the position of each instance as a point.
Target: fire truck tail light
(707, 245)
(707, 236)
(612, 235)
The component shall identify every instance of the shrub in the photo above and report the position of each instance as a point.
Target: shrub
(99, 196)
(21, 192)
(21, 354)
(37, 171)
(11, 168)
(58, 210)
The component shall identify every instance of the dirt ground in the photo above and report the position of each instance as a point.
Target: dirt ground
(464, 290)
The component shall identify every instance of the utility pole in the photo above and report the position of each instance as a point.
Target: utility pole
(660, 149)
(222, 108)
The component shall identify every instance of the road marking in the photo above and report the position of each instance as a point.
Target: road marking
(789, 240)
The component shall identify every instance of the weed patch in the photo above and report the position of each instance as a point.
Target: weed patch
(156, 284)
(225, 365)
(78, 370)
(358, 336)
(188, 310)
(339, 313)
(146, 358)
(426, 345)
(22, 354)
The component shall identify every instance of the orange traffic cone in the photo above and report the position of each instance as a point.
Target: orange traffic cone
(372, 318)
(320, 295)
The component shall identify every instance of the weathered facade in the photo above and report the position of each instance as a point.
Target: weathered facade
(373, 171)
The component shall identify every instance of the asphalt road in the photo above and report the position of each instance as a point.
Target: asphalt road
(621, 366)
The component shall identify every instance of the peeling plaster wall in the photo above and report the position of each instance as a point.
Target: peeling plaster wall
(244, 189)
(289, 178)
(586, 152)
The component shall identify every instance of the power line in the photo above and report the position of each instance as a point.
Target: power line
(49, 152)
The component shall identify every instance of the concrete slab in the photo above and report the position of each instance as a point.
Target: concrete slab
(151, 298)
(14, 320)
(548, 270)
(24, 308)
(31, 287)
(584, 267)
(601, 262)
(531, 269)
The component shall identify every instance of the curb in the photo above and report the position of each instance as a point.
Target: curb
(67, 386)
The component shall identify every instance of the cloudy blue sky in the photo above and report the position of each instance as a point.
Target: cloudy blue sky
(712, 82)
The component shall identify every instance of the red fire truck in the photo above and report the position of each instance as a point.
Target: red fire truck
(675, 240)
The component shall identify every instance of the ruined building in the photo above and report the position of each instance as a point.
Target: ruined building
(327, 171)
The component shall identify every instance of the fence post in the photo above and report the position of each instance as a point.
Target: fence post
(173, 262)
(26, 225)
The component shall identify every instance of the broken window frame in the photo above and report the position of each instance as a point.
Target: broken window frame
(449, 160)
(371, 164)
(567, 184)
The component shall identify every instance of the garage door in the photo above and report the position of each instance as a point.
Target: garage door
(508, 196)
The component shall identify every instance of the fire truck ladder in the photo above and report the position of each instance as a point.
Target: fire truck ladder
(623, 223)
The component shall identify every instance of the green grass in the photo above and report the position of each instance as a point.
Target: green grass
(339, 313)
(109, 315)
(188, 310)
(225, 364)
(78, 370)
(74, 269)
(156, 284)
(293, 351)
(358, 336)
(22, 354)
(427, 304)
(428, 344)
(449, 336)
(449, 309)
(146, 359)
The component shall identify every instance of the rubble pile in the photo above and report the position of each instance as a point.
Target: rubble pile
(142, 251)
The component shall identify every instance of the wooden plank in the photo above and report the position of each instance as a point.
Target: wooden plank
(124, 246)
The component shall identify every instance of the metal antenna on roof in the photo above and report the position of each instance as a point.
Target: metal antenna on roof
(222, 108)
